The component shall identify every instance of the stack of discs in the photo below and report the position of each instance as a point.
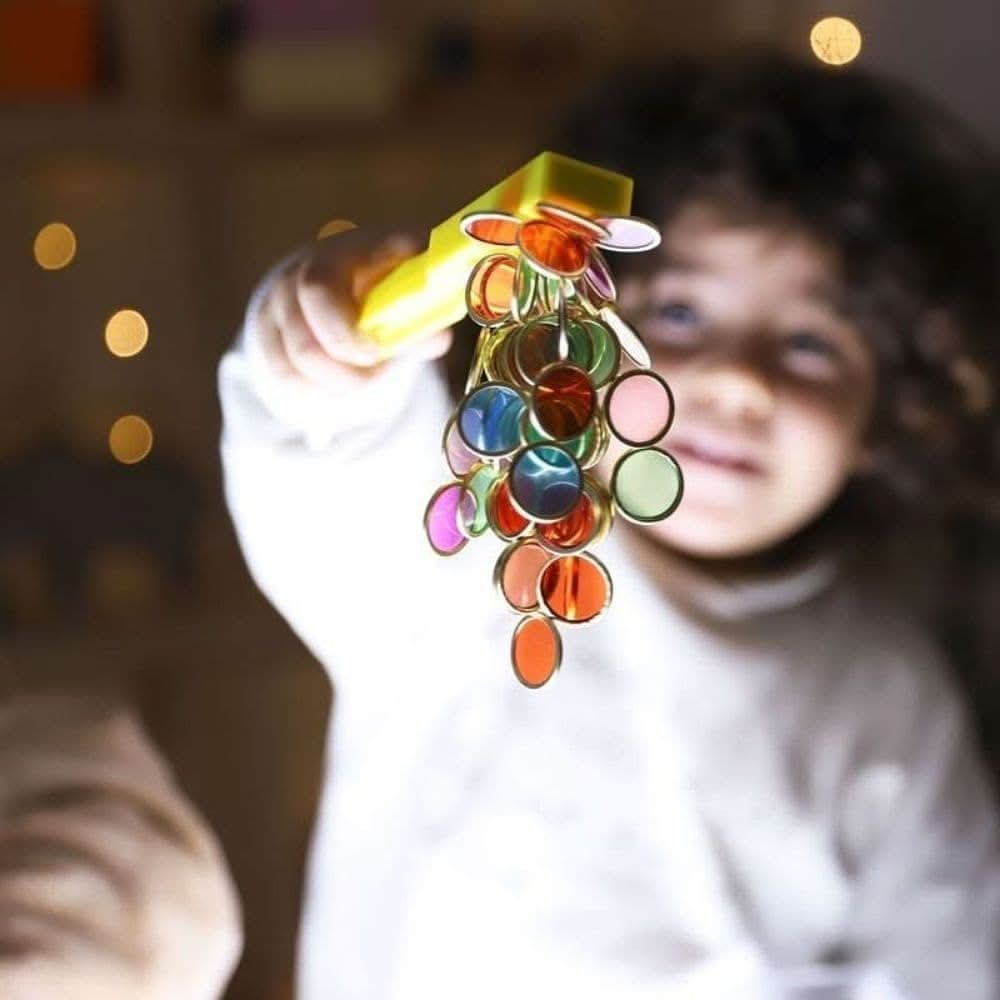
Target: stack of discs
(544, 398)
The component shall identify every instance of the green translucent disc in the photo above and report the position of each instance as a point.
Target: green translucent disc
(646, 485)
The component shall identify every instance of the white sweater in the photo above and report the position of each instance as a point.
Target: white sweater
(732, 789)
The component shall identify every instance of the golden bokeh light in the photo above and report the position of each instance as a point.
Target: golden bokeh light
(835, 40)
(334, 227)
(130, 440)
(126, 333)
(55, 246)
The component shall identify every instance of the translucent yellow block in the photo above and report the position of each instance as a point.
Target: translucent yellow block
(427, 293)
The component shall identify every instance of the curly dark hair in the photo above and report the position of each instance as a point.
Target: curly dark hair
(908, 198)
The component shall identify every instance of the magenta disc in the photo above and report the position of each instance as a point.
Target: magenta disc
(451, 506)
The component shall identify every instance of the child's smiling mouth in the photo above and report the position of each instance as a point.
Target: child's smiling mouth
(717, 453)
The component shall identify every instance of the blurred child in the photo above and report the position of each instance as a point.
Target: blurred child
(752, 778)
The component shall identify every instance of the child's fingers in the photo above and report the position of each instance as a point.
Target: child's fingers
(330, 286)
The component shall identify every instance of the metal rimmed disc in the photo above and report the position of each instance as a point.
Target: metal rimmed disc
(591, 229)
(489, 420)
(505, 519)
(629, 340)
(456, 454)
(448, 508)
(605, 352)
(629, 234)
(646, 485)
(588, 449)
(639, 407)
(598, 278)
(478, 482)
(490, 288)
(585, 525)
(536, 346)
(517, 573)
(563, 401)
(495, 228)
(553, 251)
(545, 482)
(535, 651)
(525, 287)
(575, 589)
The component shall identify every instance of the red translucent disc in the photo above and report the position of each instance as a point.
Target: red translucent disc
(575, 589)
(553, 250)
(492, 227)
(506, 521)
(573, 531)
(535, 651)
(563, 401)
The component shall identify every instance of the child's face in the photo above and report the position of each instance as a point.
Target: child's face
(773, 387)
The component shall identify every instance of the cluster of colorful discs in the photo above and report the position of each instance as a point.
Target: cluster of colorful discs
(544, 398)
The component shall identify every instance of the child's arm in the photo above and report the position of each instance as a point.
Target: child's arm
(330, 456)
(111, 887)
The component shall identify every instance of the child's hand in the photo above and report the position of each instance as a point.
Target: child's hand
(306, 323)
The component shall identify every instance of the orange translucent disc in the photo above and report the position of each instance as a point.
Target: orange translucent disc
(535, 651)
(492, 227)
(575, 589)
(555, 251)
(576, 529)
(517, 573)
(490, 289)
(505, 520)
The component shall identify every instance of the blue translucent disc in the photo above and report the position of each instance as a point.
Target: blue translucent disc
(545, 482)
(489, 420)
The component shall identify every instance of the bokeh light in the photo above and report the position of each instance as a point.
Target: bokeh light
(55, 246)
(835, 40)
(130, 440)
(126, 333)
(334, 227)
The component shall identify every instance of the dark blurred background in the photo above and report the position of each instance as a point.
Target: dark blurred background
(157, 156)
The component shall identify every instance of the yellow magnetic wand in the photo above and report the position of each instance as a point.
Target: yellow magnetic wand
(427, 292)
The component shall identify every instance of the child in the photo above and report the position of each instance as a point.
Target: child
(752, 778)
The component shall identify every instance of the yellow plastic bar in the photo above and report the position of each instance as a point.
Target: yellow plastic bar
(427, 293)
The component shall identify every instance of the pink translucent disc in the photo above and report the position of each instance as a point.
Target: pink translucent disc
(460, 459)
(450, 506)
(639, 408)
(517, 574)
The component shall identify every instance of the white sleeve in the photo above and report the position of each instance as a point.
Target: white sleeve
(927, 912)
(327, 493)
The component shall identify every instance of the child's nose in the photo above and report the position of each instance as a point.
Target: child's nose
(734, 389)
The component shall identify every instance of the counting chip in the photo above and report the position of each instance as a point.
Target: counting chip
(575, 589)
(505, 520)
(598, 278)
(517, 573)
(478, 482)
(646, 485)
(450, 506)
(605, 354)
(545, 482)
(535, 651)
(458, 456)
(563, 401)
(588, 449)
(536, 346)
(565, 219)
(639, 408)
(629, 235)
(553, 251)
(489, 420)
(498, 228)
(586, 524)
(489, 290)
(630, 341)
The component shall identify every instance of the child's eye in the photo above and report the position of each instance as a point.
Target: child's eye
(811, 352)
(673, 324)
